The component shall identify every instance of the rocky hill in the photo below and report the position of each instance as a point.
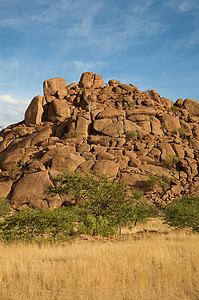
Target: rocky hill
(139, 137)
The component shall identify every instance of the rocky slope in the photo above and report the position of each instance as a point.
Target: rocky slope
(139, 137)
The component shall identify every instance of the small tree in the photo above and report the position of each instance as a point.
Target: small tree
(183, 213)
(103, 203)
(39, 225)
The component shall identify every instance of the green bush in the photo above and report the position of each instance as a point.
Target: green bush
(39, 225)
(171, 161)
(103, 206)
(132, 135)
(183, 213)
(183, 132)
(5, 207)
(159, 181)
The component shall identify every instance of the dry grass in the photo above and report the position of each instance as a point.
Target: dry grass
(156, 266)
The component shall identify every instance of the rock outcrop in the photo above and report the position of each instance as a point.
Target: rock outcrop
(139, 137)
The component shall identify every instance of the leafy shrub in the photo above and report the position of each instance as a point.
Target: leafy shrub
(5, 207)
(13, 170)
(183, 213)
(174, 108)
(104, 206)
(132, 104)
(160, 181)
(132, 135)
(183, 132)
(171, 161)
(164, 128)
(36, 225)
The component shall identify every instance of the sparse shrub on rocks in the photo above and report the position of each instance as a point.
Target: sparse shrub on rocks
(183, 133)
(132, 135)
(13, 170)
(132, 104)
(174, 108)
(164, 128)
(171, 161)
(159, 181)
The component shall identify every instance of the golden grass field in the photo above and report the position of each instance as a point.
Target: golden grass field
(161, 264)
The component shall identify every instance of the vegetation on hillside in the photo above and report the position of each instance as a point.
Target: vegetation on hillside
(103, 207)
(183, 213)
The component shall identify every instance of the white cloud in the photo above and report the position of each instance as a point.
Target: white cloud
(11, 110)
(9, 100)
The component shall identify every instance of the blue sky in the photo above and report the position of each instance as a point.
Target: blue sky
(153, 44)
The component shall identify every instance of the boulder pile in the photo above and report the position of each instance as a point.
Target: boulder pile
(140, 137)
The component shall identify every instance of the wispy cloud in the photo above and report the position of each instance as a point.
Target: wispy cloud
(9, 99)
(11, 109)
(184, 6)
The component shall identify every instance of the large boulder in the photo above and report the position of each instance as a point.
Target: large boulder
(135, 180)
(30, 190)
(172, 123)
(149, 111)
(5, 188)
(106, 167)
(114, 130)
(67, 161)
(192, 106)
(51, 86)
(110, 113)
(33, 114)
(166, 150)
(156, 127)
(41, 135)
(59, 110)
(91, 80)
(101, 124)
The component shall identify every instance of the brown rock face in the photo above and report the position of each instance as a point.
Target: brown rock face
(51, 86)
(67, 161)
(171, 123)
(113, 82)
(58, 110)
(33, 114)
(114, 129)
(106, 167)
(31, 190)
(110, 113)
(5, 188)
(192, 106)
(91, 80)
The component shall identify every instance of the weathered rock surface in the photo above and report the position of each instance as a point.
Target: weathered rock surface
(115, 130)
(91, 80)
(51, 86)
(34, 111)
(30, 190)
(192, 106)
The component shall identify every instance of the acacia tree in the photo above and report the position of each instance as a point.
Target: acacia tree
(183, 213)
(39, 225)
(103, 203)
